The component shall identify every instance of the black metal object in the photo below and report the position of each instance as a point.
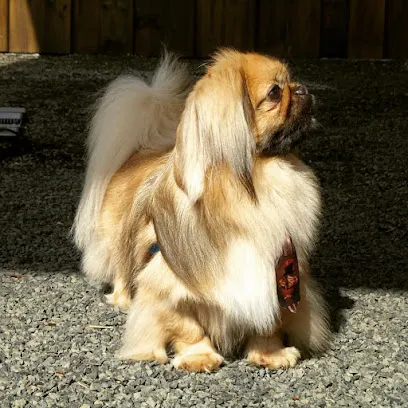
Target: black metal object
(13, 123)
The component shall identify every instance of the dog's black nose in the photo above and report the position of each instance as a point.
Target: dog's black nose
(300, 90)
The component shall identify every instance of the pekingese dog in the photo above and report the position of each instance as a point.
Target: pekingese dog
(198, 211)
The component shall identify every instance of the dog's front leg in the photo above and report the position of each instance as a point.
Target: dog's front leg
(197, 354)
(154, 325)
(270, 352)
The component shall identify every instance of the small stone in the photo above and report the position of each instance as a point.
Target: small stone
(150, 402)
(19, 403)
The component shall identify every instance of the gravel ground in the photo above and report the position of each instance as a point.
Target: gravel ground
(58, 337)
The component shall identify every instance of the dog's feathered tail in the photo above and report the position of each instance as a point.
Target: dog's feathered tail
(130, 116)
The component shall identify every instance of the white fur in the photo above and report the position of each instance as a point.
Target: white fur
(96, 261)
(130, 116)
(248, 291)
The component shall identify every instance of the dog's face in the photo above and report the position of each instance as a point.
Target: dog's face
(281, 109)
(245, 106)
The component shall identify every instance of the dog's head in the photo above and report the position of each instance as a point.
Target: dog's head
(245, 106)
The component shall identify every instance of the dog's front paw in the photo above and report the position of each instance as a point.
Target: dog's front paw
(158, 355)
(281, 358)
(119, 300)
(198, 363)
(120, 297)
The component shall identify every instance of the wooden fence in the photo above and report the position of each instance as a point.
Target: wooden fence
(194, 28)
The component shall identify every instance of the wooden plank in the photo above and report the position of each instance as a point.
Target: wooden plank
(366, 28)
(178, 24)
(4, 19)
(289, 28)
(272, 24)
(103, 26)
(167, 22)
(334, 28)
(225, 23)
(26, 28)
(239, 24)
(40, 26)
(303, 25)
(210, 24)
(117, 26)
(147, 35)
(396, 31)
(86, 26)
(57, 30)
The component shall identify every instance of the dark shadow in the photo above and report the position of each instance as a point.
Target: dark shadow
(41, 177)
(360, 159)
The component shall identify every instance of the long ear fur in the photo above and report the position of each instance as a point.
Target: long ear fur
(215, 129)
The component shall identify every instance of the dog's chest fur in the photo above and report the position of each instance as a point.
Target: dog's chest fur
(288, 205)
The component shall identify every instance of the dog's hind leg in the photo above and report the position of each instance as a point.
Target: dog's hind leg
(121, 295)
(308, 329)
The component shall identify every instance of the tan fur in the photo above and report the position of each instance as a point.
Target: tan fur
(220, 209)
(270, 352)
(116, 208)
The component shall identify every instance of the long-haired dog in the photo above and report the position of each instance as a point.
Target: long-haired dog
(200, 214)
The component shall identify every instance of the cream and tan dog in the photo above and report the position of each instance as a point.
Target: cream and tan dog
(189, 198)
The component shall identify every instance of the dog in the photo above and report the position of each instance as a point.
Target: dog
(198, 210)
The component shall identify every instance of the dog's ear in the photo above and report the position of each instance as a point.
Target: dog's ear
(216, 130)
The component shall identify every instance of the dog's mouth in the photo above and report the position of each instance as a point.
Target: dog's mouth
(299, 124)
(288, 137)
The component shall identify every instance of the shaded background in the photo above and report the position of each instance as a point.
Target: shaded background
(193, 28)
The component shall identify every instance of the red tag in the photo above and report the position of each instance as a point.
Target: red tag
(287, 277)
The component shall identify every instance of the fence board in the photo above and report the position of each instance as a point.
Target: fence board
(164, 21)
(225, 23)
(117, 26)
(303, 24)
(26, 28)
(366, 28)
(4, 13)
(86, 26)
(40, 26)
(289, 28)
(57, 30)
(103, 26)
(209, 26)
(272, 27)
(334, 28)
(396, 34)
(240, 29)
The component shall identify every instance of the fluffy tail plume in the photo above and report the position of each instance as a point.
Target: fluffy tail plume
(130, 116)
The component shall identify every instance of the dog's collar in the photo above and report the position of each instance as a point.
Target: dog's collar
(154, 248)
(287, 277)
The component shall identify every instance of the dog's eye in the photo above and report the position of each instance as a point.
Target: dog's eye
(275, 93)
